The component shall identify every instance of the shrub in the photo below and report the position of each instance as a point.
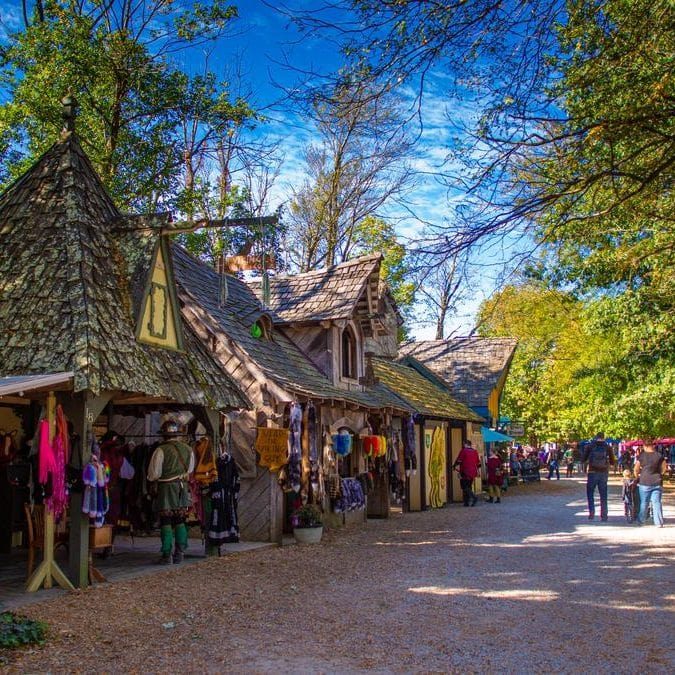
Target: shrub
(309, 515)
(16, 631)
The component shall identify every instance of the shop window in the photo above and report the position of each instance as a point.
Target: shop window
(349, 354)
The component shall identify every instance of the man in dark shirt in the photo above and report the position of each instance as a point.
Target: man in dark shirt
(598, 455)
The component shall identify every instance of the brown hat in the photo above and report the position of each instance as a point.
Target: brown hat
(169, 428)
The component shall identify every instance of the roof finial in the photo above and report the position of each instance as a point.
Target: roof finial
(69, 113)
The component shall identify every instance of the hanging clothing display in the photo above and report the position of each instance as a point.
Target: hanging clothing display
(113, 454)
(205, 471)
(295, 455)
(351, 496)
(342, 444)
(315, 478)
(46, 458)
(224, 521)
(409, 446)
(58, 501)
(96, 502)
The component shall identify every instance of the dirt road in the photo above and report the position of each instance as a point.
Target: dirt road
(526, 585)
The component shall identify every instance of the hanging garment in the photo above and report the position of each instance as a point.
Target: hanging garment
(113, 453)
(206, 471)
(351, 496)
(294, 463)
(46, 458)
(314, 472)
(95, 501)
(371, 445)
(342, 444)
(224, 521)
(58, 500)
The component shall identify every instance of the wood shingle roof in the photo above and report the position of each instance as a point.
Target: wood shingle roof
(424, 396)
(65, 294)
(278, 358)
(337, 292)
(470, 366)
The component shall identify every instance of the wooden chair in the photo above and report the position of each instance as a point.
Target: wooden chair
(35, 517)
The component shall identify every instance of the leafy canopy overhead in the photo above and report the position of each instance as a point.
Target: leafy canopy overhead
(116, 59)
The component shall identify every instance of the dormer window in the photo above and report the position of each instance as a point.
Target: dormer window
(349, 354)
(262, 328)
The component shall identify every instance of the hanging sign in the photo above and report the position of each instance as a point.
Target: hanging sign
(272, 445)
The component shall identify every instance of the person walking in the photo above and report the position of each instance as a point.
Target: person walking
(649, 469)
(494, 476)
(553, 466)
(569, 462)
(598, 456)
(468, 465)
(170, 465)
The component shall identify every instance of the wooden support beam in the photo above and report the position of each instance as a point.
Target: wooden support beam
(82, 411)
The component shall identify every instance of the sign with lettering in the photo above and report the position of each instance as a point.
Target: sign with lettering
(272, 446)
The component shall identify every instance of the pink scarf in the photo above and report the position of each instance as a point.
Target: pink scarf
(52, 461)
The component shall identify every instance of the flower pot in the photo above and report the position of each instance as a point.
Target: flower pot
(308, 535)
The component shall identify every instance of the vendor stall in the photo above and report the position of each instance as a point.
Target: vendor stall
(90, 306)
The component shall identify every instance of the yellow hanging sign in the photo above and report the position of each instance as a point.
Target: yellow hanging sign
(272, 446)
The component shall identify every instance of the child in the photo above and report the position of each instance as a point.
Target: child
(629, 495)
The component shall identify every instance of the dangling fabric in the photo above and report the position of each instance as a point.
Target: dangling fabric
(294, 460)
(342, 444)
(314, 473)
(409, 445)
(58, 500)
(205, 462)
(224, 521)
(46, 457)
(96, 501)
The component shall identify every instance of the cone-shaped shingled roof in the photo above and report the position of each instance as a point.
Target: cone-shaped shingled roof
(65, 301)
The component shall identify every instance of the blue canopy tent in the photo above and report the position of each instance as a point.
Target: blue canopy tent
(491, 436)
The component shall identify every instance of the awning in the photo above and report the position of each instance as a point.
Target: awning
(18, 384)
(491, 436)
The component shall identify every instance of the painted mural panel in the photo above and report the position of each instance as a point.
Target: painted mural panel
(437, 491)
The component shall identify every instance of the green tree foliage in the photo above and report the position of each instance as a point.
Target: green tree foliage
(575, 371)
(359, 166)
(375, 235)
(575, 148)
(115, 57)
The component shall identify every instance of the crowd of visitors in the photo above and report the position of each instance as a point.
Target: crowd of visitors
(642, 464)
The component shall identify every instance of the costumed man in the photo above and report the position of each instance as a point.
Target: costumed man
(170, 465)
(468, 466)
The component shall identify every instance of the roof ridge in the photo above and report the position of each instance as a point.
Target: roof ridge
(322, 270)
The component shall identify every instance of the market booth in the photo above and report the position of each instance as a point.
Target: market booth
(321, 429)
(90, 331)
(439, 426)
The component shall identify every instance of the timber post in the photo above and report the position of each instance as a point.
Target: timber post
(83, 413)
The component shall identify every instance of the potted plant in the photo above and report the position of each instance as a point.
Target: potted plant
(307, 524)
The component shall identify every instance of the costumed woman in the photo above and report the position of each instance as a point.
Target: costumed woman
(170, 465)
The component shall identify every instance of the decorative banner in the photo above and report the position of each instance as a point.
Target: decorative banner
(437, 469)
(272, 445)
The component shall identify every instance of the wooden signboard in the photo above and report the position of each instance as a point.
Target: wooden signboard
(272, 446)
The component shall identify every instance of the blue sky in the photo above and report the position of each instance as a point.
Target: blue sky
(263, 40)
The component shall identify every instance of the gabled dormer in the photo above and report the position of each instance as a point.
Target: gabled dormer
(333, 315)
(159, 322)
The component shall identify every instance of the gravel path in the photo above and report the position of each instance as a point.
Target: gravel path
(526, 585)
